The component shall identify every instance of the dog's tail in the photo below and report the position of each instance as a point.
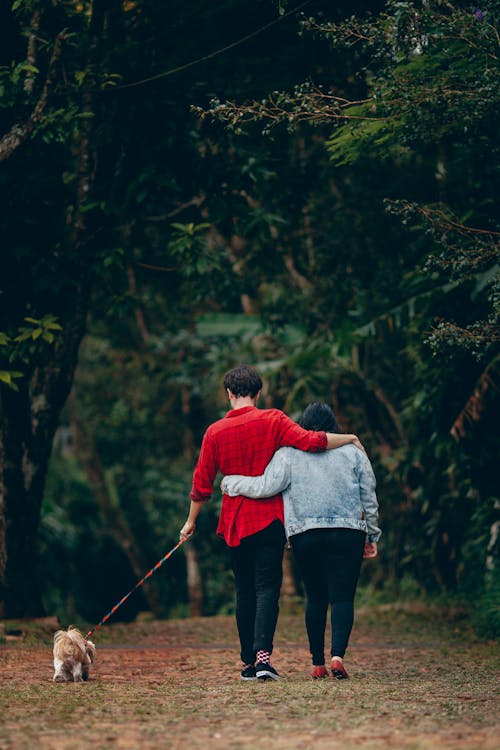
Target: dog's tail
(70, 644)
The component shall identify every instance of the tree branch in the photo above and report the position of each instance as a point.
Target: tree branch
(476, 403)
(29, 81)
(20, 132)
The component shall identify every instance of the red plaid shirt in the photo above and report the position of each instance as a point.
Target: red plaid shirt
(243, 442)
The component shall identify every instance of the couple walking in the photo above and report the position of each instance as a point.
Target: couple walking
(328, 509)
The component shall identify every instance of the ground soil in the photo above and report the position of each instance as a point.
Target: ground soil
(419, 680)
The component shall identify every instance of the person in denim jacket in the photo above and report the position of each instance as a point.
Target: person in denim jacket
(331, 521)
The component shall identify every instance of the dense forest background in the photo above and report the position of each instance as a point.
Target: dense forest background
(189, 185)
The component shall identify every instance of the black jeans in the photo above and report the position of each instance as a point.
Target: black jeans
(329, 561)
(257, 567)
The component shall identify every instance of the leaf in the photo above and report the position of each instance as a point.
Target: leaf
(226, 324)
(25, 334)
(29, 68)
(7, 377)
(89, 206)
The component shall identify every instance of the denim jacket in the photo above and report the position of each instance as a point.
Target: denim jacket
(335, 489)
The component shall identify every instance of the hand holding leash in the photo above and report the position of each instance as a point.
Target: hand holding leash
(187, 531)
(189, 527)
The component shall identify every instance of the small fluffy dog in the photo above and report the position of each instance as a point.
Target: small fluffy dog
(73, 656)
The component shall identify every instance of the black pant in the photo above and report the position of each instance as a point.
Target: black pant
(257, 567)
(329, 561)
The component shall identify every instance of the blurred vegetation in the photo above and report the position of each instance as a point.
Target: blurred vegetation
(319, 201)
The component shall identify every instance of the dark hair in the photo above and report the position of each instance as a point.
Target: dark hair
(243, 381)
(318, 416)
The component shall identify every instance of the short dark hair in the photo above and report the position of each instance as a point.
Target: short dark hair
(243, 381)
(319, 416)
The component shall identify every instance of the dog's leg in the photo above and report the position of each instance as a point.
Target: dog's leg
(77, 672)
(59, 671)
(88, 659)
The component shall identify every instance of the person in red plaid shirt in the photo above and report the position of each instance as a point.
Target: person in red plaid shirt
(243, 442)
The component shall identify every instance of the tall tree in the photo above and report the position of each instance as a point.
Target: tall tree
(47, 274)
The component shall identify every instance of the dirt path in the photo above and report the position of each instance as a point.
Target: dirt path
(417, 683)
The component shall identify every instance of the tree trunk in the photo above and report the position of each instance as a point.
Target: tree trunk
(19, 590)
(30, 416)
(111, 511)
(195, 591)
(29, 421)
(3, 516)
(194, 581)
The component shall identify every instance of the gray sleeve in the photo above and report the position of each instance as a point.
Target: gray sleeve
(275, 479)
(368, 483)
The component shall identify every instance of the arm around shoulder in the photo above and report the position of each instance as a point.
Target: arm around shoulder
(275, 479)
(337, 440)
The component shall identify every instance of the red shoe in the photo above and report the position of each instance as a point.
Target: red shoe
(318, 672)
(338, 670)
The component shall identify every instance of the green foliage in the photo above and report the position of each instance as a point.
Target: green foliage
(188, 245)
(27, 347)
(487, 611)
(355, 262)
(43, 328)
(423, 121)
(9, 377)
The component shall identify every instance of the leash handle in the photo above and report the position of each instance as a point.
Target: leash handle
(137, 585)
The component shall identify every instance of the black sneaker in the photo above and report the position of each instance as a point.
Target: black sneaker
(266, 672)
(248, 673)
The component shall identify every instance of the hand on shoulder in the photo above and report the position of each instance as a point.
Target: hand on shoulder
(357, 442)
